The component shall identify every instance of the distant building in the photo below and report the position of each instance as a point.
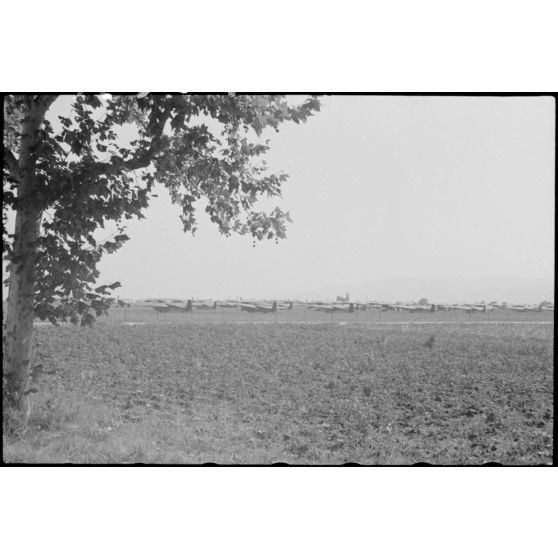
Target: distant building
(343, 298)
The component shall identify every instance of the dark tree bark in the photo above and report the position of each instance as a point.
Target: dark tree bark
(18, 333)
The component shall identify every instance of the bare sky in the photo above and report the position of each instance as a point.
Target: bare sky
(441, 187)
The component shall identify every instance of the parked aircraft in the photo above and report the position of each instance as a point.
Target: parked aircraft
(180, 305)
(157, 305)
(416, 308)
(383, 306)
(227, 304)
(477, 308)
(526, 308)
(176, 305)
(264, 306)
(333, 307)
(258, 307)
(204, 304)
(464, 307)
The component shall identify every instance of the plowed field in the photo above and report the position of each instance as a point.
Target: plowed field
(312, 394)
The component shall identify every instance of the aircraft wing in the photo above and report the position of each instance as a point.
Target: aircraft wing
(158, 306)
(323, 308)
(182, 306)
(266, 307)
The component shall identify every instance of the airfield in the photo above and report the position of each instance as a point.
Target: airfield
(223, 385)
(391, 389)
(139, 314)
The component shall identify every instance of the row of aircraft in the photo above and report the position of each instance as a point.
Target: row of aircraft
(329, 308)
(470, 308)
(175, 305)
(161, 305)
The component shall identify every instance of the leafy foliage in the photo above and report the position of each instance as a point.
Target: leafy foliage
(85, 179)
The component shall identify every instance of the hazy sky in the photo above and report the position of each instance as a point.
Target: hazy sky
(447, 187)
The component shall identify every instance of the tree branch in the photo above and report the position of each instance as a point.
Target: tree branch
(45, 100)
(11, 163)
(139, 161)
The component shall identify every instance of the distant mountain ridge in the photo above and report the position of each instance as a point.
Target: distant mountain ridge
(501, 289)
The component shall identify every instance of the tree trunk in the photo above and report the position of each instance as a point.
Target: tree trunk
(18, 333)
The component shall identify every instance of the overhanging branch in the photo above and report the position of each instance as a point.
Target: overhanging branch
(141, 160)
(11, 163)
